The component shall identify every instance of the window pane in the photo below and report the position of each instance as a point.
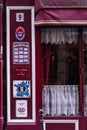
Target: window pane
(61, 64)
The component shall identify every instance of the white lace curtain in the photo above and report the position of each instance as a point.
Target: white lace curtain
(58, 100)
(61, 35)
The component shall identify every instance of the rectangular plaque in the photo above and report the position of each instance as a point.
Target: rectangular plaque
(21, 108)
(21, 89)
(21, 53)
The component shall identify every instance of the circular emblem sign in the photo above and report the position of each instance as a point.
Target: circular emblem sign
(21, 109)
(20, 33)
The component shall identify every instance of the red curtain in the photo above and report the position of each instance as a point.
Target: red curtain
(46, 50)
(47, 62)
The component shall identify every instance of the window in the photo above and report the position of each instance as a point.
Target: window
(60, 54)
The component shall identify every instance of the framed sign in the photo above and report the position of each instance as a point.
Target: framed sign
(21, 89)
(21, 108)
(20, 64)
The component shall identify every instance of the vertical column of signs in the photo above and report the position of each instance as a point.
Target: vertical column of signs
(21, 56)
(21, 43)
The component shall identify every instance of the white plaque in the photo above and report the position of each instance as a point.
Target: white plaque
(21, 88)
(19, 17)
(21, 53)
(21, 108)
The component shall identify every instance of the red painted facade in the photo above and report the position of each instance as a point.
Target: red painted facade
(45, 15)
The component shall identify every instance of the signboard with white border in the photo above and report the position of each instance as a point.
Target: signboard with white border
(16, 119)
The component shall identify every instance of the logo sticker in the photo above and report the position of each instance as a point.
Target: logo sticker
(21, 89)
(20, 33)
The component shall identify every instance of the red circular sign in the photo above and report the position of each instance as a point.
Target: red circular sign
(20, 33)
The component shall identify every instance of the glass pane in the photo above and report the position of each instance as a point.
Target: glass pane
(60, 94)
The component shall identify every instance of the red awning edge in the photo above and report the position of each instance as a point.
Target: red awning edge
(60, 22)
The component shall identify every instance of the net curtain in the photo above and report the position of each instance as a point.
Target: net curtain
(60, 100)
(62, 35)
(59, 35)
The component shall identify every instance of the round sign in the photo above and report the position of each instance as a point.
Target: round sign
(20, 33)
